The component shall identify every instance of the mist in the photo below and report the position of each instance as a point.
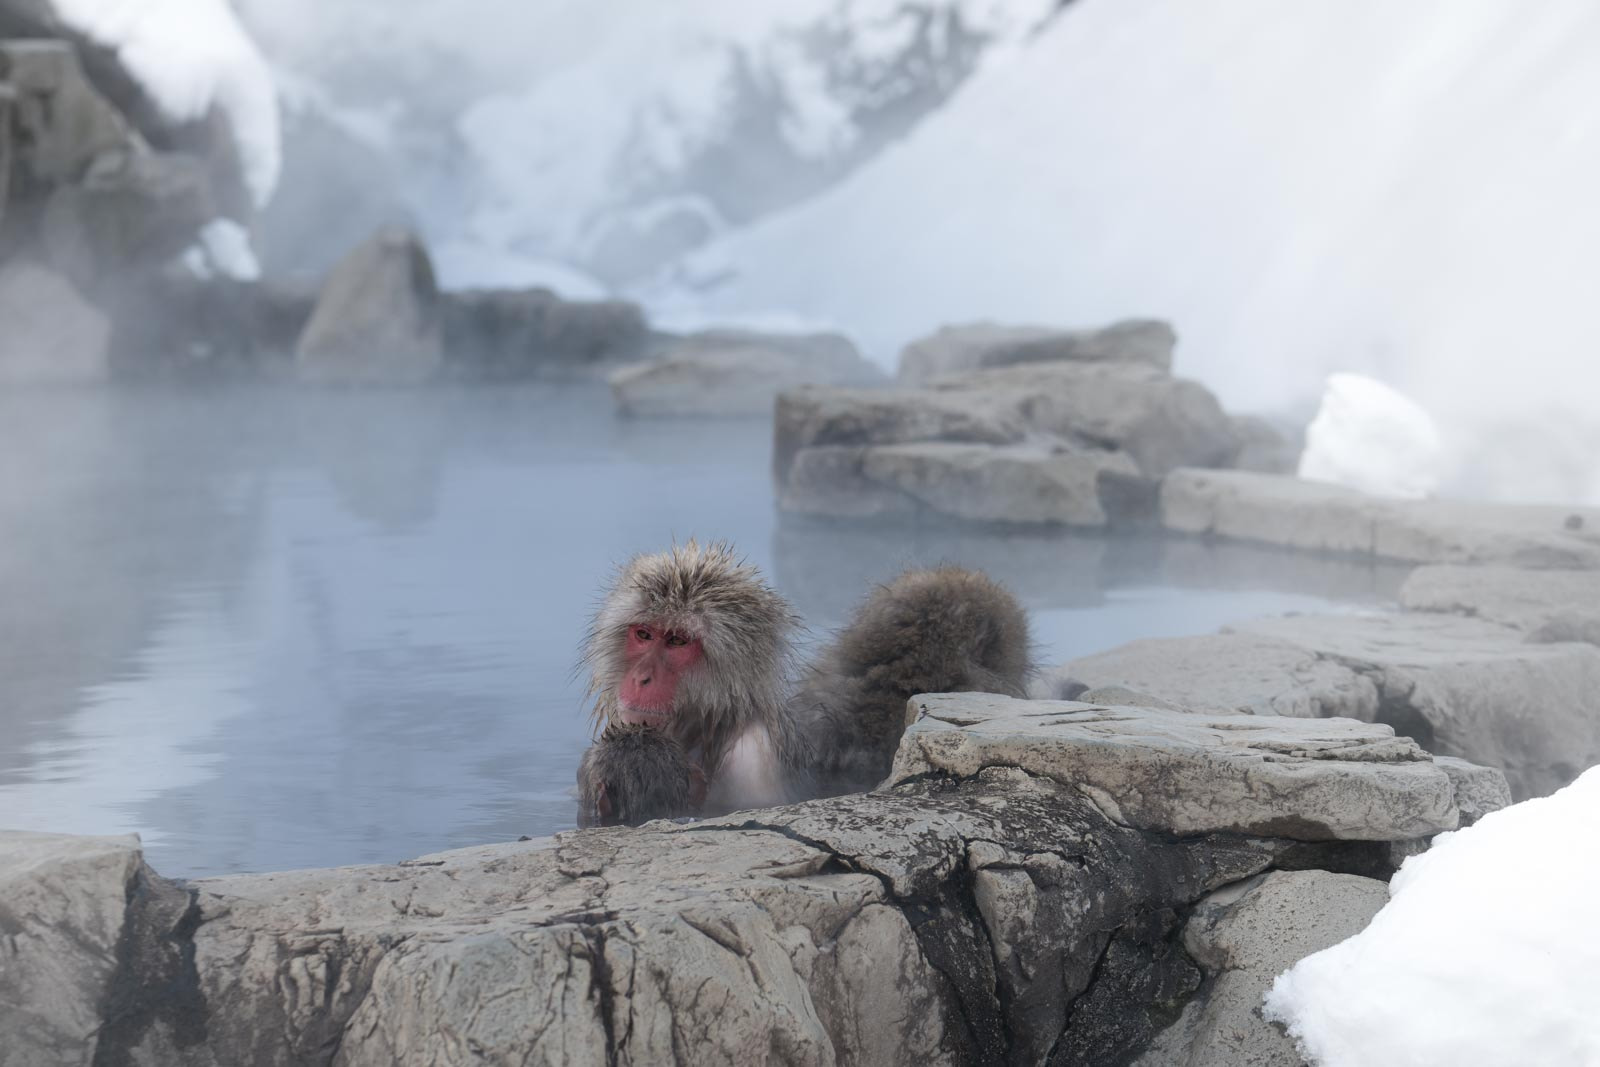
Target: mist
(1397, 191)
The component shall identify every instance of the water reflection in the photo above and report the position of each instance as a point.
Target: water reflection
(270, 629)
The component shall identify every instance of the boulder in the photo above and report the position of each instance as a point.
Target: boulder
(1264, 446)
(131, 207)
(1467, 688)
(377, 319)
(512, 334)
(62, 121)
(973, 346)
(1547, 605)
(735, 373)
(1023, 483)
(51, 334)
(1243, 936)
(1233, 672)
(1191, 772)
(1316, 516)
(63, 906)
(1161, 421)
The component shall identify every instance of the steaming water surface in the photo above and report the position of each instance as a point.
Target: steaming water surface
(269, 629)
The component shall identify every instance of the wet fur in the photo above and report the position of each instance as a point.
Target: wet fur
(929, 631)
(643, 772)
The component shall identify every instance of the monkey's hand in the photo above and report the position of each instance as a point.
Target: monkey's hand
(632, 774)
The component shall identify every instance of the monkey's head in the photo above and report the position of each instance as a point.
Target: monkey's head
(692, 641)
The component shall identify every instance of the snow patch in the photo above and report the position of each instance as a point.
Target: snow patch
(1485, 955)
(1370, 437)
(222, 249)
(191, 56)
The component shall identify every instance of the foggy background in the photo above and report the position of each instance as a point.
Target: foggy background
(1404, 191)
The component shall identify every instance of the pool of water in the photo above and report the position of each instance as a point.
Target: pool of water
(269, 629)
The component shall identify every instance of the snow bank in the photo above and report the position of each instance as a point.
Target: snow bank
(1487, 953)
(1370, 437)
(191, 56)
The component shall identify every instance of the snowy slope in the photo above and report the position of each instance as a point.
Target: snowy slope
(1402, 190)
(1486, 954)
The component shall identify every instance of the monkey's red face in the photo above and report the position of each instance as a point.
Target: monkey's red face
(657, 661)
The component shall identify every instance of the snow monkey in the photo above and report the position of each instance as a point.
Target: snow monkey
(690, 665)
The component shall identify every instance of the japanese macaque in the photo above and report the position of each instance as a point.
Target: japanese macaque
(691, 668)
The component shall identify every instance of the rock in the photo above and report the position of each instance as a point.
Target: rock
(1189, 772)
(1244, 936)
(1263, 447)
(816, 416)
(1233, 672)
(735, 373)
(51, 334)
(512, 334)
(1548, 605)
(1467, 688)
(1319, 517)
(1024, 483)
(377, 320)
(130, 208)
(63, 905)
(1161, 421)
(1479, 790)
(62, 121)
(973, 346)
(174, 325)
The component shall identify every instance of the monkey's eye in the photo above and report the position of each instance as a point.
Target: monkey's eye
(676, 640)
(642, 634)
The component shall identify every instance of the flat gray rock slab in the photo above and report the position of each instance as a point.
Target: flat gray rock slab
(1548, 605)
(1468, 688)
(1233, 672)
(1280, 510)
(1244, 936)
(1186, 773)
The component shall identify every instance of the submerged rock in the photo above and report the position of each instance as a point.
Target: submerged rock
(377, 320)
(50, 333)
(973, 346)
(736, 373)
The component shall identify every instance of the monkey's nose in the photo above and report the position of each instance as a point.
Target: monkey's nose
(644, 681)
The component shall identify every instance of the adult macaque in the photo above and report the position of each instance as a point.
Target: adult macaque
(692, 644)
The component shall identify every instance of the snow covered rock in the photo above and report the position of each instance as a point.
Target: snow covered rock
(51, 334)
(377, 319)
(1483, 955)
(973, 346)
(1371, 437)
(512, 334)
(1243, 936)
(736, 373)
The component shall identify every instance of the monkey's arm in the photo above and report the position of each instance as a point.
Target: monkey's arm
(633, 774)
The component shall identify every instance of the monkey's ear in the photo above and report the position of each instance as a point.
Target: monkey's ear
(602, 805)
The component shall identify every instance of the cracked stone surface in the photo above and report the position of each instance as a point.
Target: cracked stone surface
(1468, 688)
(1281, 510)
(1190, 772)
(991, 914)
(1547, 605)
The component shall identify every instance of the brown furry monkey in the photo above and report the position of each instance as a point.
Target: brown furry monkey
(692, 642)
